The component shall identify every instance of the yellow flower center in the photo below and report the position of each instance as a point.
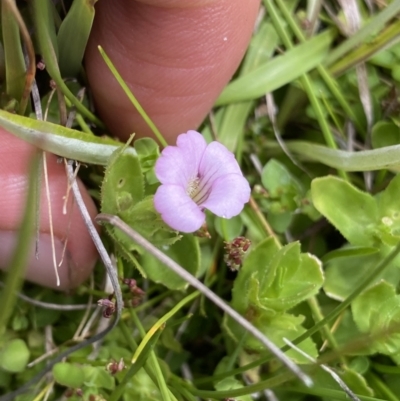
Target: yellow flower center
(193, 186)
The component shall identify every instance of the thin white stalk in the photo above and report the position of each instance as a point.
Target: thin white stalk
(47, 186)
(95, 237)
(327, 369)
(176, 268)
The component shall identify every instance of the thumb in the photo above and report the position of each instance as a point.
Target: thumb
(175, 55)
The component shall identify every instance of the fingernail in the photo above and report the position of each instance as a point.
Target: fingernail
(40, 269)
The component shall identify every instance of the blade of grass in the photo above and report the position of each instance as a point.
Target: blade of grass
(132, 98)
(279, 71)
(135, 367)
(153, 363)
(48, 51)
(368, 30)
(306, 82)
(365, 160)
(388, 37)
(14, 58)
(161, 322)
(328, 79)
(60, 140)
(73, 35)
(31, 68)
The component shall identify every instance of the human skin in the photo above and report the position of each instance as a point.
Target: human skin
(176, 56)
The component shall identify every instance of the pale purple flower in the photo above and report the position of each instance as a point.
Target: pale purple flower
(196, 176)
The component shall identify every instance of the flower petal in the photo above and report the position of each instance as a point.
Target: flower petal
(228, 195)
(180, 164)
(177, 209)
(217, 161)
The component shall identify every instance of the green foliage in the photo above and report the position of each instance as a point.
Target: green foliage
(331, 123)
(365, 221)
(14, 356)
(286, 195)
(186, 252)
(377, 311)
(353, 212)
(69, 375)
(228, 229)
(272, 281)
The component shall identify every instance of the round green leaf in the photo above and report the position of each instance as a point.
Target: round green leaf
(68, 375)
(14, 356)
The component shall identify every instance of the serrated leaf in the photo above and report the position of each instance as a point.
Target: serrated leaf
(377, 311)
(258, 258)
(353, 212)
(276, 279)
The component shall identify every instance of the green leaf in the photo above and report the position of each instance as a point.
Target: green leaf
(61, 140)
(148, 222)
(257, 259)
(186, 252)
(389, 210)
(98, 377)
(353, 212)
(228, 229)
(279, 71)
(14, 356)
(282, 325)
(13, 54)
(276, 280)
(68, 374)
(377, 311)
(342, 275)
(123, 184)
(349, 252)
(271, 281)
(230, 383)
(169, 341)
(284, 189)
(146, 147)
(353, 380)
(148, 152)
(385, 133)
(73, 36)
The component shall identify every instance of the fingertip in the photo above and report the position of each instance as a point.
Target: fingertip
(175, 59)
